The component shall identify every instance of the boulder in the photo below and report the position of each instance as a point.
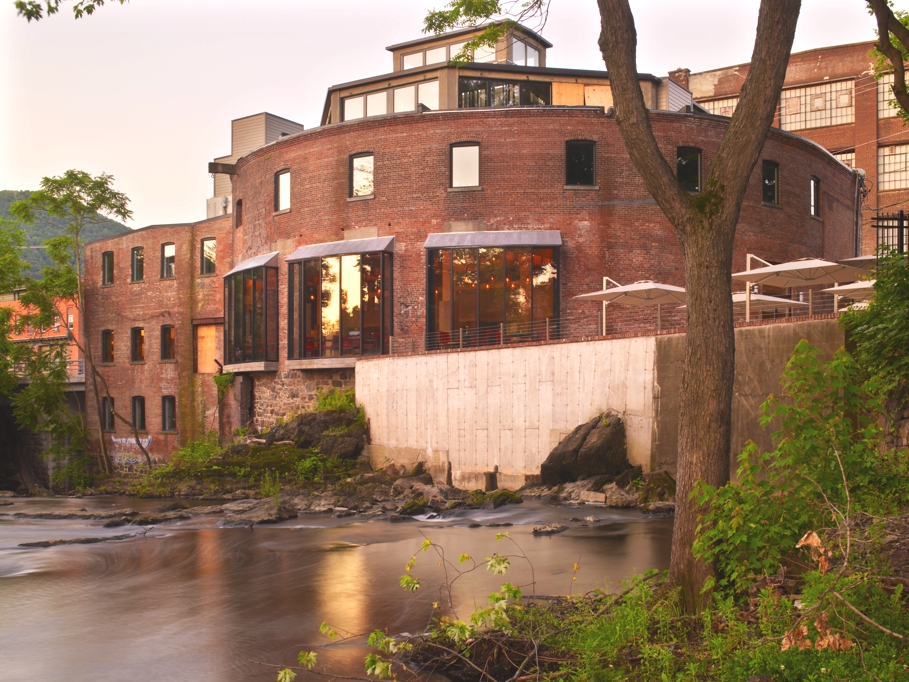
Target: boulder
(550, 529)
(617, 497)
(659, 486)
(625, 479)
(169, 507)
(266, 511)
(595, 449)
(593, 497)
(660, 508)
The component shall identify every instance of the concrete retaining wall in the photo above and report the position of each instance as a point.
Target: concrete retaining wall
(466, 413)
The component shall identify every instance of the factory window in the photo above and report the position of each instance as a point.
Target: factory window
(361, 175)
(885, 100)
(484, 92)
(465, 164)
(580, 163)
(168, 257)
(688, 167)
(477, 294)
(107, 414)
(814, 189)
(137, 344)
(238, 213)
(282, 190)
(770, 185)
(523, 54)
(817, 106)
(339, 306)
(137, 264)
(721, 107)
(138, 413)
(107, 346)
(251, 315)
(168, 413)
(893, 167)
(107, 268)
(168, 342)
(848, 158)
(207, 256)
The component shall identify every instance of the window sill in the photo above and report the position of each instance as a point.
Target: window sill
(475, 188)
(169, 432)
(281, 212)
(107, 286)
(137, 362)
(105, 364)
(169, 361)
(137, 281)
(208, 274)
(321, 363)
(141, 432)
(245, 367)
(168, 278)
(588, 188)
(769, 205)
(817, 218)
(365, 197)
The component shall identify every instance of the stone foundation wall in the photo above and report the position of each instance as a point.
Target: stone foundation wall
(275, 396)
(896, 426)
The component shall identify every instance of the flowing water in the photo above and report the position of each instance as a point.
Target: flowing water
(193, 601)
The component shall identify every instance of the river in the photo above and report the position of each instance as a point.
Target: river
(193, 601)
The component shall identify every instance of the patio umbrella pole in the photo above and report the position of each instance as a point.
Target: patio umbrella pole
(659, 317)
(836, 299)
(810, 302)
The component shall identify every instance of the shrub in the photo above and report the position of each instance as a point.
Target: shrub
(335, 400)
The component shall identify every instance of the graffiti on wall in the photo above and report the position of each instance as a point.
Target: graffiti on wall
(125, 450)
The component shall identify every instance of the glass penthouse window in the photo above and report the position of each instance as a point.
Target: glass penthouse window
(485, 92)
(524, 54)
(339, 306)
(251, 315)
(688, 168)
(137, 264)
(484, 291)
(107, 268)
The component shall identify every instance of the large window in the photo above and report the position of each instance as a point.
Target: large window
(477, 294)
(580, 163)
(137, 264)
(168, 258)
(107, 268)
(484, 92)
(168, 413)
(361, 175)
(524, 54)
(107, 414)
(138, 413)
(814, 197)
(406, 98)
(770, 185)
(207, 256)
(107, 346)
(688, 168)
(282, 190)
(339, 306)
(251, 319)
(893, 167)
(168, 342)
(465, 165)
(137, 344)
(816, 106)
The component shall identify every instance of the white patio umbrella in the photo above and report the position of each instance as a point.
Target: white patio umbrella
(859, 291)
(862, 262)
(803, 272)
(762, 302)
(643, 293)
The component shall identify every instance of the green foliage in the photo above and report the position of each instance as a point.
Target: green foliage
(313, 467)
(74, 474)
(286, 675)
(415, 506)
(827, 435)
(882, 65)
(190, 460)
(881, 332)
(335, 400)
(223, 382)
(35, 10)
(270, 485)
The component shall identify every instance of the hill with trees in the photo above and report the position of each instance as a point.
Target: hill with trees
(46, 227)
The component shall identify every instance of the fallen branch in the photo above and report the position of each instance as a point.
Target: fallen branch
(867, 619)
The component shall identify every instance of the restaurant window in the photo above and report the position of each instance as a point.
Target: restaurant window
(580, 163)
(168, 342)
(207, 256)
(282, 190)
(251, 315)
(814, 198)
(137, 264)
(107, 414)
(771, 182)
(107, 346)
(485, 92)
(138, 413)
(361, 175)
(465, 165)
(168, 258)
(477, 294)
(137, 344)
(339, 306)
(238, 213)
(168, 413)
(107, 268)
(688, 168)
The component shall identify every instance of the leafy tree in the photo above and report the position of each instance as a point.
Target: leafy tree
(81, 200)
(35, 10)
(892, 49)
(11, 278)
(705, 225)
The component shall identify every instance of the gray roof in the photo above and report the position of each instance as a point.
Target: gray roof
(350, 246)
(268, 259)
(444, 240)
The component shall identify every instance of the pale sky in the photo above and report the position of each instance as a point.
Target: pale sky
(146, 91)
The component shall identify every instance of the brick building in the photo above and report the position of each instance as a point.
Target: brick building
(434, 208)
(830, 96)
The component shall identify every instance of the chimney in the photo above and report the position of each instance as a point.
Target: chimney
(680, 76)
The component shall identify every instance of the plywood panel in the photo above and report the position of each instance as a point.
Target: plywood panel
(568, 94)
(598, 96)
(206, 348)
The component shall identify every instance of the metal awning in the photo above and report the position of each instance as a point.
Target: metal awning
(267, 259)
(349, 246)
(466, 240)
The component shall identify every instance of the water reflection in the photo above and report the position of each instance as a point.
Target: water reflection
(194, 601)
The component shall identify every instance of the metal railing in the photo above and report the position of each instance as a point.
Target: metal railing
(75, 369)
